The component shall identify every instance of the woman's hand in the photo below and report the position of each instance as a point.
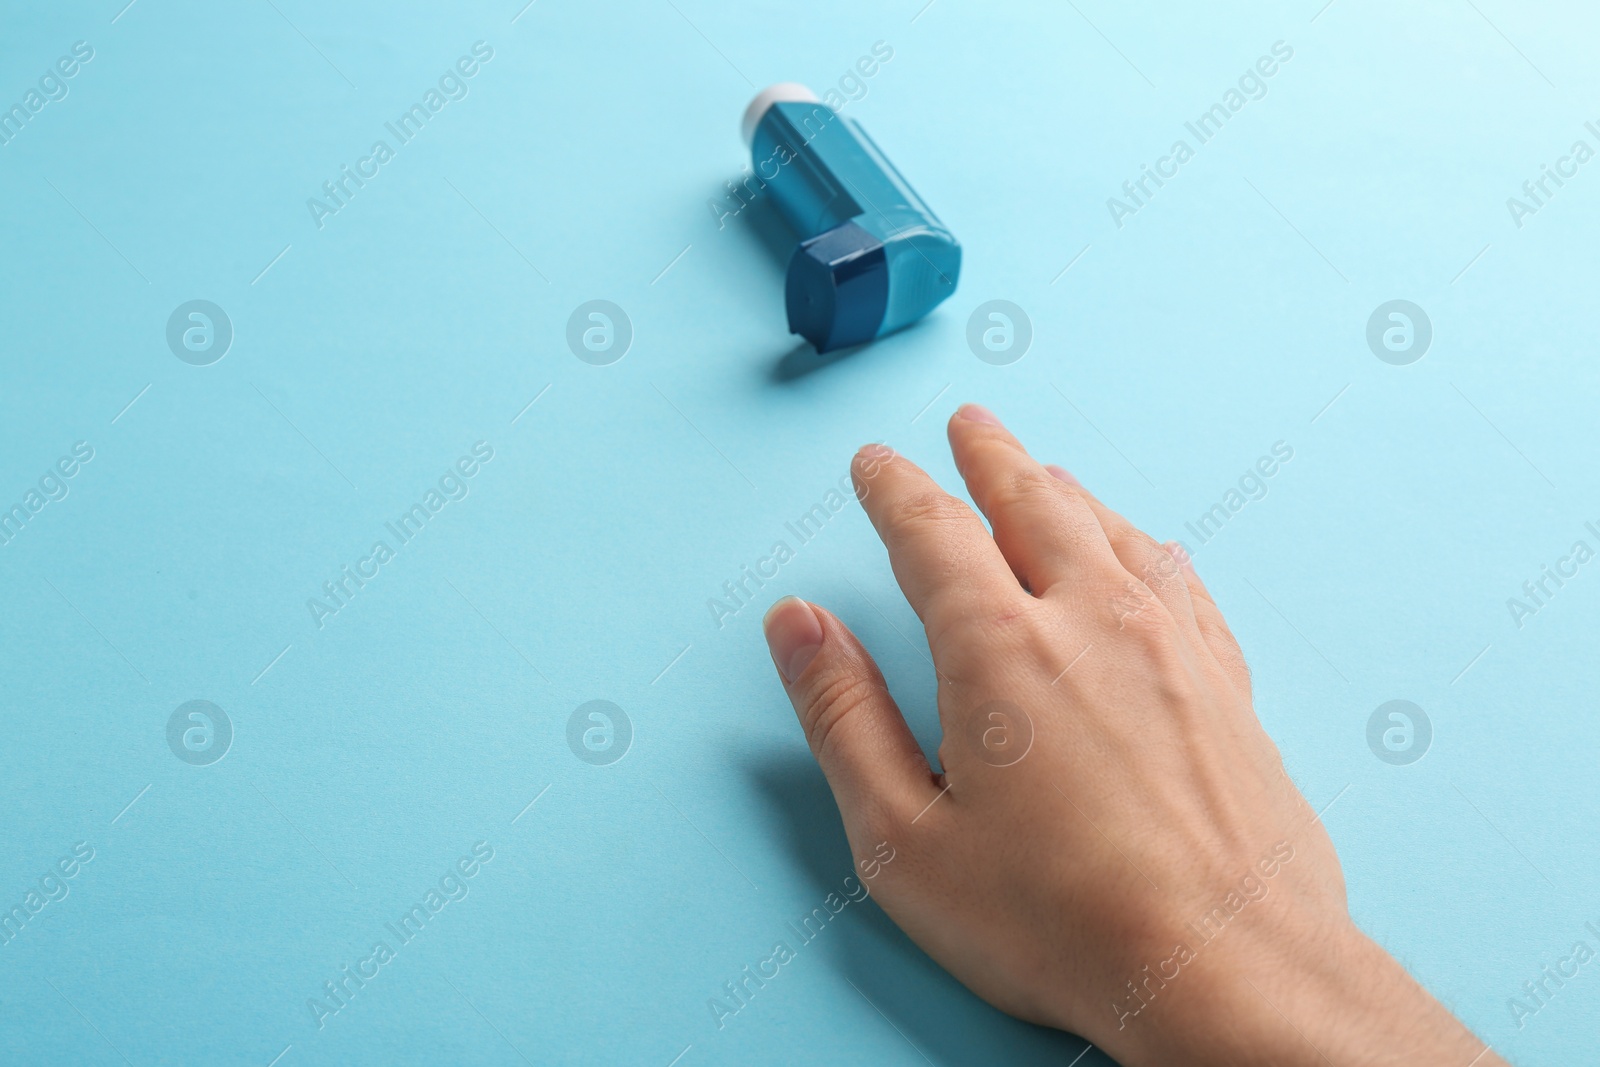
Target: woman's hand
(1113, 847)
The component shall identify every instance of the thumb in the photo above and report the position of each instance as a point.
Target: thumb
(875, 767)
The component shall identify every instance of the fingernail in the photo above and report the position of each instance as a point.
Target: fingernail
(794, 636)
(977, 413)
(874, 451)
(1180, 555)
(1062, 473)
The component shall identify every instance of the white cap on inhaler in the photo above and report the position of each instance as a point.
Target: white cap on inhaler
(781, 93)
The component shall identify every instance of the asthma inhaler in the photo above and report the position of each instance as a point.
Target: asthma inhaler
(872, 256)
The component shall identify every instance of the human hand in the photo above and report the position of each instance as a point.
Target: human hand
(1113, 847)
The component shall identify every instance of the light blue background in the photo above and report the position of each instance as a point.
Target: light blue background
(371, 753)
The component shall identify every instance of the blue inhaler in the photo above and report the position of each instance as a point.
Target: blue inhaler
(872, 257)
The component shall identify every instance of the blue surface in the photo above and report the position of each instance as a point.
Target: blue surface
(369, 754)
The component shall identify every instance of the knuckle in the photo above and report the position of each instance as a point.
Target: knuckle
(1198, 591)
(1150, 629)
(1147, 559)
(1134, 608)
(1214, 627)
(834, 698)
(1224, 646)
(1146, 549)
(1023, 487)
(926, 507)
(1161, 574)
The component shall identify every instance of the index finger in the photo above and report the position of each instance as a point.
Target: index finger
(943, 557)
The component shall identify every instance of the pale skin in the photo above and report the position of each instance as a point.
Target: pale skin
(1113, 847)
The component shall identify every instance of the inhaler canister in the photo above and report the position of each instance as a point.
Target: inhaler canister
(872, 256)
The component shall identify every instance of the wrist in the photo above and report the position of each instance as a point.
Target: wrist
(1312, 995)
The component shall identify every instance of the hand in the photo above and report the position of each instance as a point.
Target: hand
(1113, 847)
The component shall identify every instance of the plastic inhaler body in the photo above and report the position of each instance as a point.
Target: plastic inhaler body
(872, 256)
